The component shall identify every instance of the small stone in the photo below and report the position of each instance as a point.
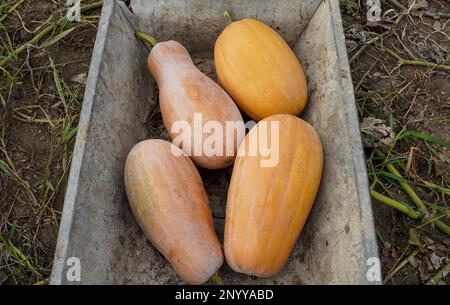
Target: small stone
(436, 260)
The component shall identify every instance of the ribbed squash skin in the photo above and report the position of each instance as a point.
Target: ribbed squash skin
(259, 70)
(169, 202)
(185, 90)
(267, 206)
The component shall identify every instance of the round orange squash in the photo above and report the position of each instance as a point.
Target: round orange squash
(167, 197)
(269, 202)
(189, 96)
(259, 70)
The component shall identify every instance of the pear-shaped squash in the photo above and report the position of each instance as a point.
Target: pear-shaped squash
(189, 100)
(271, 193)
(167, 197)
(259, 70)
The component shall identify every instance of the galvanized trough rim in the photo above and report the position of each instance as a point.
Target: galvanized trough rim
(359, 160)
(346, 86)
(57, 276)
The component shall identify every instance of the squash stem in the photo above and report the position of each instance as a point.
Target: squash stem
(395, 204)
(146, 38)
(227, 16)
(413, 195)
(217, 279)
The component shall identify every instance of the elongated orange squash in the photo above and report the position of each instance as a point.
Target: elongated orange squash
(187, 95)
(259, 70)
(269, 202)
(169, 202)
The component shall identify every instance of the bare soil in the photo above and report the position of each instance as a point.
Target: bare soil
(38, 125)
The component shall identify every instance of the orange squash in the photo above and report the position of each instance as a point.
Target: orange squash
(267, 206)
(167, 197)
(185, 91)
(259, 70)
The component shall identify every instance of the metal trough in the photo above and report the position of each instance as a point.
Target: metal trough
(97, 226)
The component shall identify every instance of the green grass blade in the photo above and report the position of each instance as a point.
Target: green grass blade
(437, 208)
(68, 134)
(56, 38)
(5, 169)
(18, 256)
(12, 230)
(57, 81)
(426, 137)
